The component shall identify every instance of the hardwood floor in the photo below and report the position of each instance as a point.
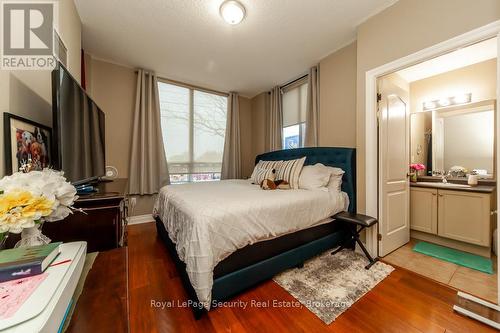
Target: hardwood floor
(403, 302)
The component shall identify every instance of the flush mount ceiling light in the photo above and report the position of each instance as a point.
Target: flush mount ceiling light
(232, 12)
(448, 101)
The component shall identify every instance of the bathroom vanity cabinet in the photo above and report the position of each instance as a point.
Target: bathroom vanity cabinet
(458, 218)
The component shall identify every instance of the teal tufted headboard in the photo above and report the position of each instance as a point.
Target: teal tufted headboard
(344, 158)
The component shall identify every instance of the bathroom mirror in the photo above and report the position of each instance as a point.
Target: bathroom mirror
(454, 138)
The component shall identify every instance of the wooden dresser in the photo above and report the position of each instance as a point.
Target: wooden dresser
(103, 226)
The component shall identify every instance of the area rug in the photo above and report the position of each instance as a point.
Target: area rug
(329, 284)
(461, 258)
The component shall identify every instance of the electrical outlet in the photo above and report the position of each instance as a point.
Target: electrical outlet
(133, 202)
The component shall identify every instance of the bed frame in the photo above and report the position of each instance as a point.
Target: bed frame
(264, 260)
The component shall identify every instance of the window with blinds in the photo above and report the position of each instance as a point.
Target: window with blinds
(294, 101)
(193, 126)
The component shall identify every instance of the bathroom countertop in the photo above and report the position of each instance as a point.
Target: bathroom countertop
(458, 187)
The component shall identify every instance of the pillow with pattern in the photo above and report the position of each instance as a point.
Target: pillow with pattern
(290, 171)
(257, 173)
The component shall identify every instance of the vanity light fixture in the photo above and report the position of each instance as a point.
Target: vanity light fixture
(429, 105)
(461, 99)
(448, 101)
(232, 11)
(444, 102)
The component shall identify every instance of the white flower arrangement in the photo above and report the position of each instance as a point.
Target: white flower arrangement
(29, 199)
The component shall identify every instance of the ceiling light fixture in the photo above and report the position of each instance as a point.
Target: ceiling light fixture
(232, 12)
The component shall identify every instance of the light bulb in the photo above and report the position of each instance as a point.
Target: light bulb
(461, 99)
(444, 102)
(429, 105)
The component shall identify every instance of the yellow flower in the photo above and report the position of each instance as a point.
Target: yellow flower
(14, 222)
(14, 199)
(38, 207)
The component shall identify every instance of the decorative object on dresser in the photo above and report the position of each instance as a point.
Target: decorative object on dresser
(28, 199)
(103, 226)
(25, 140)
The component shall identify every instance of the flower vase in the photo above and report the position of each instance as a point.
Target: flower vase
(413, 177)
(32, 237)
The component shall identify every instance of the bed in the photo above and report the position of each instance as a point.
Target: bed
(253, 234)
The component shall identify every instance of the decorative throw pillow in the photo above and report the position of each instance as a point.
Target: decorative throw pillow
(335, 182)
(314, 177)
(289, 171)
(261, 174)
(267, 165)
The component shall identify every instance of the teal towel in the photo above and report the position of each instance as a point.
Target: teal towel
(455, 256)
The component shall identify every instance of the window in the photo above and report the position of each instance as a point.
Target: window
(294, 114)
(193, 124)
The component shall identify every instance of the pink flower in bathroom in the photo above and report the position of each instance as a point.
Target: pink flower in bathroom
(417, 166)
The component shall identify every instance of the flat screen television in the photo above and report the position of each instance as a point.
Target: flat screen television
(78, 130)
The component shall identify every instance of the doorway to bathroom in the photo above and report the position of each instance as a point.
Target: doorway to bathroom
(437, 168)
(393, 222)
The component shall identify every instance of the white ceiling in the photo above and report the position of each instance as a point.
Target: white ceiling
(187, 40)
(466, 56)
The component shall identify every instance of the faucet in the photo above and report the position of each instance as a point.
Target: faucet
(445, 176)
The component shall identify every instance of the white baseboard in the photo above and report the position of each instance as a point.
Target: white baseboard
(140, 219)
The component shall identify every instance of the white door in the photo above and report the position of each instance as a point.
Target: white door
(394, 227)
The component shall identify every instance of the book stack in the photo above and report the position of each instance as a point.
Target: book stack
(27, 261)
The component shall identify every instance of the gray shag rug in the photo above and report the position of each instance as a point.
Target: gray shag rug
(329, 284)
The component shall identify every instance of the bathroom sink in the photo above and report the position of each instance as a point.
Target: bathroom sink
(446, 185)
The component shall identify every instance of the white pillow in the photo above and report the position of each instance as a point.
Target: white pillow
(335, 182)
(314, 177)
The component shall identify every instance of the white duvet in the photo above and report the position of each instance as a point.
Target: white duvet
(209, 221)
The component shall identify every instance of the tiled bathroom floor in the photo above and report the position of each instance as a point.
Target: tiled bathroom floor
(462, 278)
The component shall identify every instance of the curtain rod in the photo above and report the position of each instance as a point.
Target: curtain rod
(294, 80)
(187, 85)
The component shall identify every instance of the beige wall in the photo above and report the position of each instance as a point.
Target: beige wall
(29, 93)
(337, 119)
(479, 79)
(402, 29)
(113, 89)
(70, 31)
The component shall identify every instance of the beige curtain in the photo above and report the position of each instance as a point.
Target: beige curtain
(148, 170)
(275, 120)
(231, 160)
(312, 110)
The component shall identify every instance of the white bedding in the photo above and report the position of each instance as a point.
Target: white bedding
(209, 221)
